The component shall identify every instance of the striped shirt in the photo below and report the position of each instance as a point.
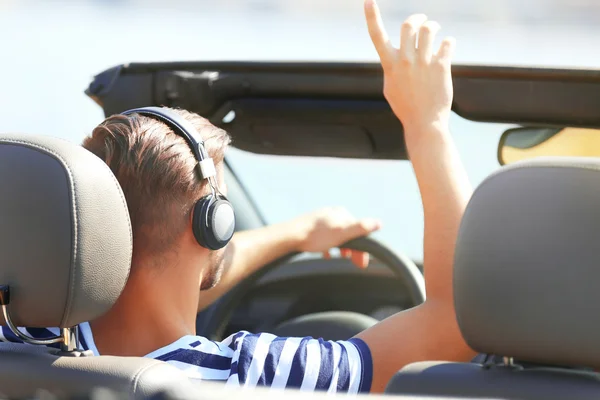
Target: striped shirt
(249, 360)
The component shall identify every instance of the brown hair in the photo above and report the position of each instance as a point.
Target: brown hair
(157, 172)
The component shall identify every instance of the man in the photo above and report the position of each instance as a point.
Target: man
(155, 168)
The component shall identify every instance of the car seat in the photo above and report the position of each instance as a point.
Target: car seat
(65, 254)
(526, 288)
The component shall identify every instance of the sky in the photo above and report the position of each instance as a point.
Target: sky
(52, 49)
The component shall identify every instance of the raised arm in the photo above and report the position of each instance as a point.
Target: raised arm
(418, 87)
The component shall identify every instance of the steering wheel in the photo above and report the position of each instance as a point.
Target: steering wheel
(212, 322)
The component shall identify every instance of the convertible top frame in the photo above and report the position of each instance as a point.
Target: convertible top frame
(338, 109)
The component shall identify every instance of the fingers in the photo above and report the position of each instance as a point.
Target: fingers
(408, 38)
(416, 41)
(446, 51)
(348, 226)
(426, 37)
(346, 253)
(362, 227)
(417, 37)
(379, 36)
(358, 258)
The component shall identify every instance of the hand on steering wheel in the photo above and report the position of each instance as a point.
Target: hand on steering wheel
(213, 321)
(326, 228)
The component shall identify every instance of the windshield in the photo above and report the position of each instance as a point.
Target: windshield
(53, 48)
(284, 186)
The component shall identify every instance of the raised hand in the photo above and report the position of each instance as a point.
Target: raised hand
(417, 79)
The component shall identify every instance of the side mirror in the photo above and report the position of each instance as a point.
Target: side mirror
(530, 142)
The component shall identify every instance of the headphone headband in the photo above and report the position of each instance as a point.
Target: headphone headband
(213, 218)
(186, 130)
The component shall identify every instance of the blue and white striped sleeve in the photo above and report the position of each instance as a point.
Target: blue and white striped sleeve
(302, 363)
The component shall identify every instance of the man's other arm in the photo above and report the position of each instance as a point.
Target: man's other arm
(418, 86)
(315, 232)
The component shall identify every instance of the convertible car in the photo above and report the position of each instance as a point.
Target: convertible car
(526, 269)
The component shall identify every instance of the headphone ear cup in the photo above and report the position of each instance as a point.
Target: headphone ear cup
(213, 222)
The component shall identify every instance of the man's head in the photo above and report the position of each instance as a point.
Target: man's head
(157, 172)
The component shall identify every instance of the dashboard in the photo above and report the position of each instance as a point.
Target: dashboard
(310, 285)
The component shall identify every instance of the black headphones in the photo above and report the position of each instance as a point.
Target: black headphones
(213, 218)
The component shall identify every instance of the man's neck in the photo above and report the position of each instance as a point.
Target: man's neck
(155, 309)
